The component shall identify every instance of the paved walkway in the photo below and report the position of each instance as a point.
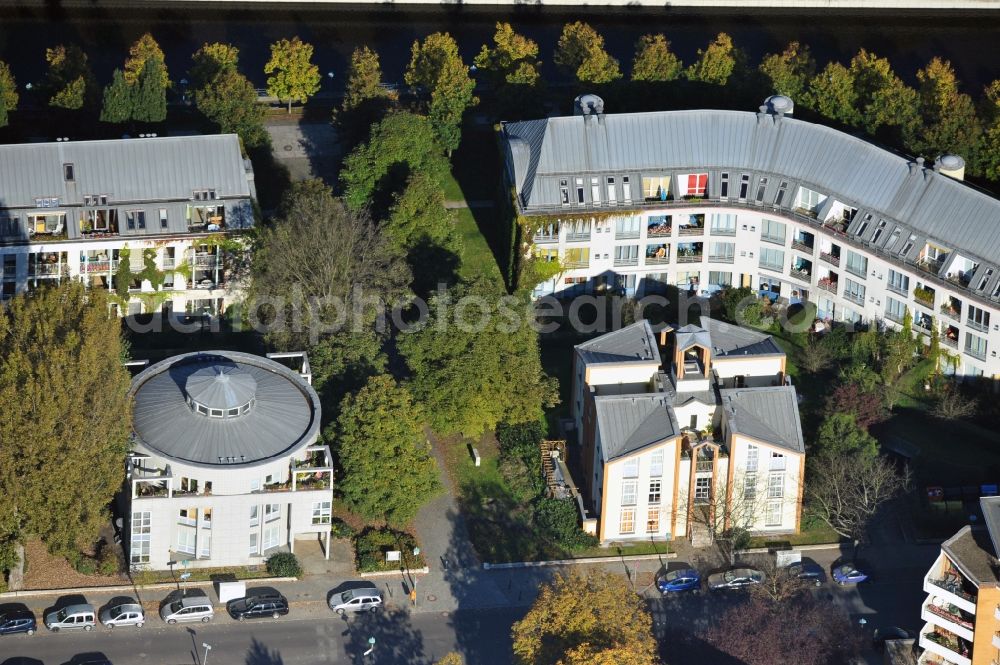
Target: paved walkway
(468, 204)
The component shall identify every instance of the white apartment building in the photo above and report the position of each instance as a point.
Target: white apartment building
(224, 468)
(75, 209)
(706, 438)
(703, 199)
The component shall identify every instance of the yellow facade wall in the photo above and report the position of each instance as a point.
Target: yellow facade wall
(983, 651)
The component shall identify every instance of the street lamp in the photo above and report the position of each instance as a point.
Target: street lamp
(371, 647)
(208, 648)
(329, 75)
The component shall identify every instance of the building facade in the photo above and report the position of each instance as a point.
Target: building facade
(696, 201)
(961, 613)
(224, 468)
(168, 206)
(687, 435)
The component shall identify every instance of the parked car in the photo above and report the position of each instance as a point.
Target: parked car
(849, 572)
(123, 614)
(255, 606)
(191, 606)
(685, 579)
(72, 617)
(882, 635)
(809, 572)
(736, 578)
(364, 598)
(17, 621)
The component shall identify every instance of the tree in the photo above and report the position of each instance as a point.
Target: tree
(730, 515)
(294, 77)
(8, 92)
(832, 94)
(580, 52)
(866, 407)
(451, 658)
(149, 96)
(118, 100)
(989, 148)
(717, 62)
(437, 68)
(477, 363)
(364, 81)
(342, 362)
(141, 52)
(790, 72)
(951, 404)
(424, 231)
(559, 521)
(883, 98)
(839, 433)
(654, 61)
(388, 470)
(67, 416)
(213, 60)
(585, 618)
(847, 490)
(815, 356)
(69, 81)
(513, 60)
(230, 101)
(820, 634)
(948, 117)
(402, 143)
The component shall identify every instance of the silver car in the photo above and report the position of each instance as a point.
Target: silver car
(736, 578)
(366, 598)
(72, 617)
(125, 614)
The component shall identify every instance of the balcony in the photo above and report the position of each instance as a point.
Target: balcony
(854, 297)
(771, 238)
(689, 258)
(206, 260)
(169, 263)
(626, 261)
(659, 226)
(546, 236)
(831, 258)
(723, 231)
(577, 263)
(932, 266)
(947, 616)
(703, 466)
(976, 325)
(721, 258)
(691, 230)
(946, 645)
(803, 242)
(950, 590)
(96, 265)
(775, 267)
(922, 322)
(952, 309)
(924, 296)
(315, 472)
(897, 289)
(828, 284)
(975, 353)
(801, 270)
(578, 237)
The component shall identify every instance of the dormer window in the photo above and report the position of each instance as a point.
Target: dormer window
(204, 195)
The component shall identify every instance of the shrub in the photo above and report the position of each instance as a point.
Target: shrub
(284, 564)
(521, 441)
(557, 519)
(524, 481)
(341, 529)
(107, 563)
(85, 566)
(371, 545)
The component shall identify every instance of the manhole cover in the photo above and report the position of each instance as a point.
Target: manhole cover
(288, 148)
(431, 597)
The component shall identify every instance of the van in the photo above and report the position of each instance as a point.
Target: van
(71, 617)
(194, 606)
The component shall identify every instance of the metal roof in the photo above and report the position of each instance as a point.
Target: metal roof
(631, 422)
(929, 204)
(768, 414)
(633, 343)
(991, 515)
(730, 340)
(221, 387)
(285, 416)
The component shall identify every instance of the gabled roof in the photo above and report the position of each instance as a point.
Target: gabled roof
(692, 335)
(633, 343)
(629, 423)
(769, 414)
(730, 340)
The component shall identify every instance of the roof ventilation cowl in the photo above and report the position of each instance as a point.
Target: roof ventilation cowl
(588, 104)
(950, 165)
(779, 105)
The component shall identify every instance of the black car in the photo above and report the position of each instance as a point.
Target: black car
(882, 635)
(808, 571)
(255, 607)
(18, 621)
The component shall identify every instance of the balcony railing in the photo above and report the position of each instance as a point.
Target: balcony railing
(953, 616)
(802, 247)
(578, 237)
(951, 312)
(975, 353)
(657, 260)
(546, 237)
(169, 264)
(96, 266)
(832, 259)
(45, 269)
(955, 589)
(895, 288)
(898, 318)
(691, 230)
(932, 266)
(659, 230)
(776, 267)
(577, 264)
(855, 298)
(827, 285)
(627, 261)
(689, 258)
(777, 240)
(716, 231)
(856, 271)
(949, 341)
(206, 260)
(798, 273)
(721, 258)
(924, 297)
(975, 325)
(627, 235)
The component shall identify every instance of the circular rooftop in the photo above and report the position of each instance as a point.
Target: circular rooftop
(223, 408)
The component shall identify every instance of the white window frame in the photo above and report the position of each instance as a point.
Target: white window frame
(272, 535)
(142, 523)
(630, 468)
(187, 539)
(254, 515)
(626, 189)
(630, 491)
(626, 521)
(653, 514)
(321, 512)
(254, 542)
(612, 193)
(776, 485)
(752, 458)
(655, 495)
(272, 512)
(656, 464)
(750, 486)
(773, 513)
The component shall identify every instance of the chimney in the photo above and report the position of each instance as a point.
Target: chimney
(778, 105)
(950, 165)
(587, 105)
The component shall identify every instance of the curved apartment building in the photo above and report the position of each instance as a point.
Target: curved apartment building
(705, 199)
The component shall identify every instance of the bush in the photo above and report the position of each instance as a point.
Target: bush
(341, 529)
(524, 481)
(85, 566)
(371, 545)
(107, 563)
(521, 441)
(284, 564)
(557, 519)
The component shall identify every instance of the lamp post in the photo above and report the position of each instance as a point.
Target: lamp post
(371, 648)
(171, 564)
(413, 580)
(208, 648)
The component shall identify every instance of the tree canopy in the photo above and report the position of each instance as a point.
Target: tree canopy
(141, 52)
(388, 471)
(364, 80)
(948, 117)
(590, 618)
(717, 62)
(118, 100)
(69, 81)
(790, 72)
(293, 76)
(580, 52)
(213, 60)
(839, 433)
(67, 417)
(654, 61)
(230, 101)
(513, 59)
(149, 96)
(437, 68)
(8, 92)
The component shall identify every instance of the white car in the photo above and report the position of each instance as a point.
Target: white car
(364, 598)
(125, 614)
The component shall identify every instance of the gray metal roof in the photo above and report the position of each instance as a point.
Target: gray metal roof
(127, 170)
(629, 423)
(285, 417)
(730, 340)
(632, 343)
(767, 414)
(221, 387)
(991, 515)
(929, 205)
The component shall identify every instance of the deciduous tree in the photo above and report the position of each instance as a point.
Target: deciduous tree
(949, 123)
(119, 100)
(654, 61)
(790, 72)
(592, 618)
(364, 80)
(67, 415)
(476, 361)
(149, 96)
(8, 92)
(840, 433)
(867, 407)
(717, 63)
(832, 94)
(388, 470)
(580, 52)
(951, 404)
(69, 81)
(213, 60)
(989, 145)
(513, 59)
(882, 97)
(230, 101)
(293, 76)
(451, 659)
(437, 70)
(142, 51)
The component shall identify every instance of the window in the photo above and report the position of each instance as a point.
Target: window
(163, 218)
(205, 545)
(809, 200)
(9, 226)
(724, 186)
(857, 264)
(752, 452)
(270, 537)
(761, 186)
(772, 231)
(627, 522)
(722, 224)
(894, 309)
(187, 516)
(321, 512)
(720, 279)
(135, 219)
(776, 486)
(141, 528)
(653, 520)
(854, 291)
(68, 172)
(702, 490)
(255, 485)
(898, 282)
(595, 191)
(772, 515)
(564, 192)
(626, 189)
(656, 188)
(750, 486)
(724, 252)
(656, 464)
(612, 194)
(253, 542)
(628, 227)
(254, 516)
(780, 196)
(975, 346)
(982, 282)
(654, 490)
(186, 540)
(626, 255)
(979, 319)
(772, 259)
(696, 183)
(579, 191)
(744, 186)
(272, 511)
(629, 490)
(630, 467)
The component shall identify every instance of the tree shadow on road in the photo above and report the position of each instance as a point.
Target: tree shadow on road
(260, 655)
(396, 641)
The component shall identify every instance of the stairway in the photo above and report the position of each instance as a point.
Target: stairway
(698, 527)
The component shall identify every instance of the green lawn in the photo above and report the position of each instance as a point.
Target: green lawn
(452, 190)
(814, 532)
(911, 386)
(477, 258)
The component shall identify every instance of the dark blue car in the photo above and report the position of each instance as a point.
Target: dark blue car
(17, 621)
(687, 579)
(849, 573)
